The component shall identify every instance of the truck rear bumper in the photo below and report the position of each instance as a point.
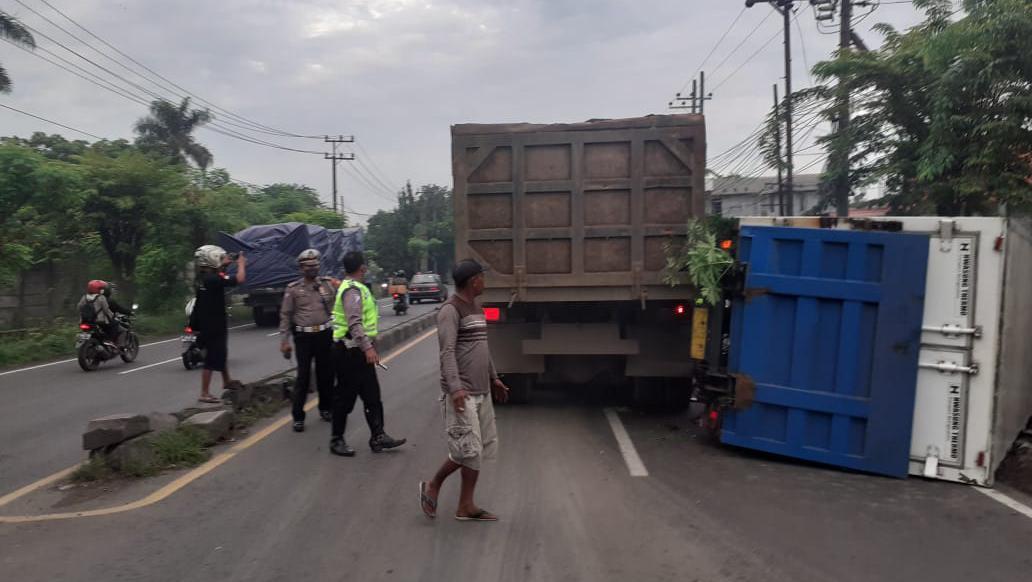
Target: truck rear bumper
(580, 339)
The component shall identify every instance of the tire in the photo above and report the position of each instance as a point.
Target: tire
(87, 356)
(132, 348)
(192, 358)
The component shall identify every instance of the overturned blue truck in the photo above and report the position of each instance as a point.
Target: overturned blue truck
(272, 251)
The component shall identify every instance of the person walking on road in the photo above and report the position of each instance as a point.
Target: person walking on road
(209, 313)
(468, 380)
(355, 320)
(307, 314)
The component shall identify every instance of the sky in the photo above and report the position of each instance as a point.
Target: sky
(396, 74)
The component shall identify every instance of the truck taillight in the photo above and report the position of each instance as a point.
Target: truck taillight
(727, 244)
(680, 310)
(493, 314)
(188, 330)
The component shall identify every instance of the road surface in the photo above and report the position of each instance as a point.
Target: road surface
(46, 408)
(285, 509)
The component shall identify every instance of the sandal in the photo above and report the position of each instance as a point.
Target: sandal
(427, 503)
(479, 515)
(209, 400)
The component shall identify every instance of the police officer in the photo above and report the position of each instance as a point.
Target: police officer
(355, 318)
(307, 314)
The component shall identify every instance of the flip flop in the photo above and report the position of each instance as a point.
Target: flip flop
(426, 503)
(210, 400)
(481, 515)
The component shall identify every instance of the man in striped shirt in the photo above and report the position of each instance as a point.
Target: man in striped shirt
(468, 380)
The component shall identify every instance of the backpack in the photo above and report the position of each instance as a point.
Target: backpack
(88, 311)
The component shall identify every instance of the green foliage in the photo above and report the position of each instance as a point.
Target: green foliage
(416, 236)
(942, 111)
(15, 32)
(186, 446)
(29, 346)
(698, 256)
(168, 133)
(97, 468)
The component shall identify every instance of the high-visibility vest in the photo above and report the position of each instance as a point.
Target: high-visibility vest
(370, 312)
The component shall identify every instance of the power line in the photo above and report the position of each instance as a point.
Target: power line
(50, 121)
(740, 44)
(714, 49)
(802, 45)
(372, 162)
(752, 56)
(257, 126)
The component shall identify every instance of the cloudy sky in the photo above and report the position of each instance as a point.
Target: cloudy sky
(397, 73)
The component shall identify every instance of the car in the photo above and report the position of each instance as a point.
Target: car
(427, 287)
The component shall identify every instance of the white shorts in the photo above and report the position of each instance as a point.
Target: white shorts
(472, 434)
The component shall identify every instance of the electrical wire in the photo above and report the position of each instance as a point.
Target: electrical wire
(751, 57)
(740, 44)
(714, 49)
(52, 122)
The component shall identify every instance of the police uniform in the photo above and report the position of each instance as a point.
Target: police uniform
(356, 320)
(307, 313)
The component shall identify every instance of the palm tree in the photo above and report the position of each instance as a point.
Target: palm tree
(168, 131)
(15, 32)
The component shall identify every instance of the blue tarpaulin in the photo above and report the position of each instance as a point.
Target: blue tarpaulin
(272, 250)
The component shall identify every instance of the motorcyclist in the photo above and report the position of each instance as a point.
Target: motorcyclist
(97, 307)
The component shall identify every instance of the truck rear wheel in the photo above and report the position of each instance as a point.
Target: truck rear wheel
(520, 387)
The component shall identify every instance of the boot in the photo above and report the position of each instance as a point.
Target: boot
(380, 439)
(339, 447)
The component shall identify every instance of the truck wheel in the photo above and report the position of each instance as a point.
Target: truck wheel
(648, 393)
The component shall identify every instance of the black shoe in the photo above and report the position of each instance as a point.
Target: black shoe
(326, 415)
(384, 441)
(339, 447)
(299, 426)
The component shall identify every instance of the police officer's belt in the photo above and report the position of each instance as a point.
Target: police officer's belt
(313, 328)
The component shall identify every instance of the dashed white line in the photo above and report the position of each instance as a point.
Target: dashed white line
(47, 365)
(1006, 500)
(272, 334)
(176, 359)
(630, 454)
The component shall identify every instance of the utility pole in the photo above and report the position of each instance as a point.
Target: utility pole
(695, 101)
(334, 158)
(784, 7)
(777, 142)
(845, 41)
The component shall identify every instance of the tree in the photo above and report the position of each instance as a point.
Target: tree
(416, 236)
(130, 197)
(40, 210)
(168, 132)
(14, 31)
(942, 112)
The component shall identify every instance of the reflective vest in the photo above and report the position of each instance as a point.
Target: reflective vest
(370, 312)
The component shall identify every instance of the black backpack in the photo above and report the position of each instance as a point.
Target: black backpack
(88, 311)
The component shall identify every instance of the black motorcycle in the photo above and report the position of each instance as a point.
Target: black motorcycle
(94, 347)
(193, 353)
(400, 303)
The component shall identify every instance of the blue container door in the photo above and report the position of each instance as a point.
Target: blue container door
(829, 332)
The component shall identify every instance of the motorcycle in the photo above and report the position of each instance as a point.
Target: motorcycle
(399, 291)
(193, 352)
(94, 347)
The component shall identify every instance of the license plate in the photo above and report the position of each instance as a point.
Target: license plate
(188, 339)
(82, 339)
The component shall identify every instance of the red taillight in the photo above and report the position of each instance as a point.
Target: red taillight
(85, 326)
(727, 244)
(395, 295)
(188, 329)
(433, 289)
(714, 416)
(680, 310)
(980, 460)
(492, 313)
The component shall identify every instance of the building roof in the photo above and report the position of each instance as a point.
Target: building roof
(732, 185)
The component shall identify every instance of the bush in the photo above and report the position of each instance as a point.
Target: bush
(96, 469)
(182, 447)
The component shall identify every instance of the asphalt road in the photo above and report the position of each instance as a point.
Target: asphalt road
(285, 509)
(45, 409)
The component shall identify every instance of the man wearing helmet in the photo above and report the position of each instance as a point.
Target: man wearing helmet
(307, 314)
(209, 313)
(97, 306)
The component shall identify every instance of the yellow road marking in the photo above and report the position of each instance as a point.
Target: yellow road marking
(182, 481)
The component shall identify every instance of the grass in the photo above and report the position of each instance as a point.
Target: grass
(257, 411)
(96, 469)
(182, 447)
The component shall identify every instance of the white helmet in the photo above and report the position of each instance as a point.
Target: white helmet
(210, 256)
(308, 256)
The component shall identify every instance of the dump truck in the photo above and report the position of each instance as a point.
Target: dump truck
(573, 221)
(272, 250)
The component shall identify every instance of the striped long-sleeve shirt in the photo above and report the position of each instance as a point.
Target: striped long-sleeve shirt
(465, 358)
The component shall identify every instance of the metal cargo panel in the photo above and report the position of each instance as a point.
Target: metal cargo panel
(829, 333)
(573, 211)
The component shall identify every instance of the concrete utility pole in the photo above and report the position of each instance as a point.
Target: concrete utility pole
(334, 158)
(845, 42)
(777, 142)
(696, 100)
(784, 7)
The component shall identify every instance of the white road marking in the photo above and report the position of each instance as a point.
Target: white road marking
(1010, 502)
(176, 359)
(623, 440)
(73, 359)
(272, 334)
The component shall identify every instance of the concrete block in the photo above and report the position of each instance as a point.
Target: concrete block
(215, 424)
(111, 430)
(238, 395)
(199, 408)
(136, 451)
(161, 422)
